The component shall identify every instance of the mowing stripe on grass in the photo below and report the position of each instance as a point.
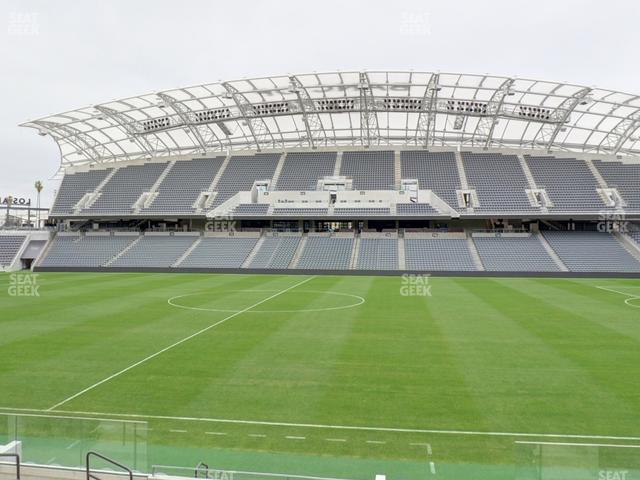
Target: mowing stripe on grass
(179, 342)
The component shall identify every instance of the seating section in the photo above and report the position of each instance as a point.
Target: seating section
(591, 252)
(184, 183)
(294, 211)
(363, 211)
(378, 254)
(415, 209)
(73, 187)
(625, 177)
(514, 254)
(219, 252)
(435, 171)
(85, 250)
(569, 183)
(498, 180)
(251, 209)
(9, 247)
(438, 254)
(636, 236)
(124, 188)
(155, 251)
(275, 252)
(326, 253)
(301, 171)
(241, 173)
(369, 170)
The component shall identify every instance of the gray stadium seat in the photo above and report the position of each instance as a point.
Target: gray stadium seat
(326, 253)
(591, 252)
(369, 170)
(438, 254)
(514, 254)
(275, 252)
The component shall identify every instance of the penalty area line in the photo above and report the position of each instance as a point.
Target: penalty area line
(173, 345)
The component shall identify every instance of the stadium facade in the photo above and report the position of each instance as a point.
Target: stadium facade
(351, 171)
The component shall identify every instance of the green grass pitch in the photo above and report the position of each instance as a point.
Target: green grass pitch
(278, 369)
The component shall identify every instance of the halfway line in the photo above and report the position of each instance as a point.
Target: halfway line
(179, 342)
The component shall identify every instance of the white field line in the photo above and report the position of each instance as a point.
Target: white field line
(294, 437)
(215, 433)
(73, 444)
(173, 430)
(359, 299)
(631, 296)
(336, 439)
(257, 435)
(173, 345)
(376, 442)
(338, 427)
(65, 417)
(432, 467)
(570, 444)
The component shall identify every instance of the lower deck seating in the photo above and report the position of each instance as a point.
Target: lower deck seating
(85, 250)
(294, 211)
(378, 254)
(362, 211)
(326, 253)
(155, 251)
(9, 247)
(588, 252)
(251, 209)
(415, 209)
(514, 254)
(438, 254)
(275, 252)
(592, 252)
(219, 252)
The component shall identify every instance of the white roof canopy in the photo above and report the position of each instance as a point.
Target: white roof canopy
(350, 109)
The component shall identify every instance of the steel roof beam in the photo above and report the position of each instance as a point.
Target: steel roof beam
(427, 117)
(187, 116)
(621, 133)
(257, 127)
(85, 145)
(487, 124)
(563, 111)
(130, 127)
(311, 118)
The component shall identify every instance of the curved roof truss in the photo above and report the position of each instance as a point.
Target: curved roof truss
(350, 109)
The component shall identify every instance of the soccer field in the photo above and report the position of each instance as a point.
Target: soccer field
(329, 375)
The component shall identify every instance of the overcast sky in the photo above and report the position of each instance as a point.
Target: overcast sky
(60, 55)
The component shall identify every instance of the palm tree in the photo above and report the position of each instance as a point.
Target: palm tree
(39, 186)
(9, 200)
